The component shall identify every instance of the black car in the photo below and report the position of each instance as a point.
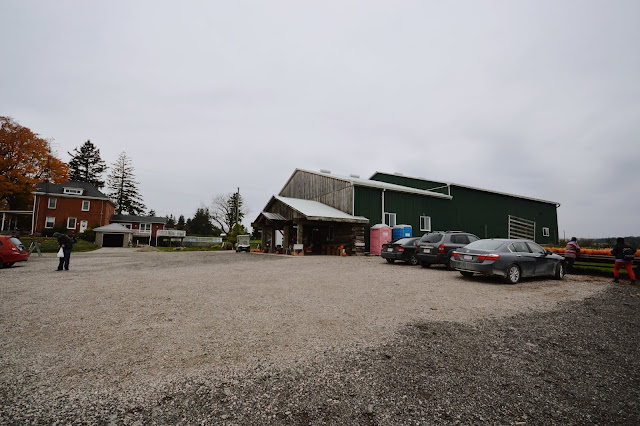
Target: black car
(401, 249)
(437, 247)
(507, 258)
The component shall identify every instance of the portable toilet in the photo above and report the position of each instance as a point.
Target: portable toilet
(380, 234)
(401, 231)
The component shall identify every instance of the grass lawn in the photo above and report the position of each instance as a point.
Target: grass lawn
(599, 269)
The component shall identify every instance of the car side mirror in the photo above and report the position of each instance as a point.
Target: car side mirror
(547, 252)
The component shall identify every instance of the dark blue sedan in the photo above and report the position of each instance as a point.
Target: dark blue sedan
(507, 258)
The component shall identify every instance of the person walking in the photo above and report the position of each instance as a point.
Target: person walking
(570, 253)
(66, 244)
(624, 254)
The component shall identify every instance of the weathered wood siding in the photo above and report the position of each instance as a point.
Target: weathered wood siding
(328, 190)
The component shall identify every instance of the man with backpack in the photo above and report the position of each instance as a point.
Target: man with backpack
(624, 254)
(66, 244)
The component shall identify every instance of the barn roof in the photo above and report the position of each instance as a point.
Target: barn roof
(315, 210)
(467, 187)
(357, 181)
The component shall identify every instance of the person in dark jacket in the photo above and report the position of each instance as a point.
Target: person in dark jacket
(622, 253)
(66, 244)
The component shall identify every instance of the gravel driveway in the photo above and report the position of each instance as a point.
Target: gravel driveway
(130, 337)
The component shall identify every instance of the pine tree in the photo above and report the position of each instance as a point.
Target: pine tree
(86, 165)
(124, 192)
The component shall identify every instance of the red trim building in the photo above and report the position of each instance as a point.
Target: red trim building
(74, 206)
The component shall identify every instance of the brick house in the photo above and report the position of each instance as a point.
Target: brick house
(145, 228)
(75, 206)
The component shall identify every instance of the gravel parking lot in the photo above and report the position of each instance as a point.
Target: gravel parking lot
(130, 337)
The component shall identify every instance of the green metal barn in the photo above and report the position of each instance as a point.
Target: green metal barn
(342, 210)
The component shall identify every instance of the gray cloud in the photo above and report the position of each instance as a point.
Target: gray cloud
(535, 98)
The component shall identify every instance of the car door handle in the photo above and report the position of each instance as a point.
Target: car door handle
(518, 255)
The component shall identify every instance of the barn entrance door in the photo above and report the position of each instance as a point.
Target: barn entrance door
(522, 228)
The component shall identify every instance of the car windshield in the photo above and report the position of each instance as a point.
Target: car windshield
(431, 238)
(485, 245)
(16, 242)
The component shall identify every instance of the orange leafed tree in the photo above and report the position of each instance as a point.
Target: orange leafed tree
(25, 160)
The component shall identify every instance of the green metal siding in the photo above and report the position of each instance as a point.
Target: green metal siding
(483, 213)
(367, 203)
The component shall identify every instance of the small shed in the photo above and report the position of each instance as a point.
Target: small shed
(113, 235)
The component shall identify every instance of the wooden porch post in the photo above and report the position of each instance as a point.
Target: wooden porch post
(285, 238)
(300, 235)
(272, 248)
(263, 239)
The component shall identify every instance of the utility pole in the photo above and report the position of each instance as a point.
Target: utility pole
(237, 204)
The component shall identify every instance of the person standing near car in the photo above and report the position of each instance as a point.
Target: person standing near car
(624, 254)
(66, 244)
(570, 253)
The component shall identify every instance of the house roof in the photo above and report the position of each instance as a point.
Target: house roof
(113, 228)
(315, 210)
(469, 187)
(89, 191)
(357, 181)
(137, 219)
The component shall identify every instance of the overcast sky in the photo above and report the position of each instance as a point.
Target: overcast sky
(537, 98)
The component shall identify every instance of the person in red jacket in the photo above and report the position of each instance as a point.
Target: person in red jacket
(570, 253)
(624, 254)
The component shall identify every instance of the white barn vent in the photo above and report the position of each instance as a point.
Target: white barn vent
(325, 171)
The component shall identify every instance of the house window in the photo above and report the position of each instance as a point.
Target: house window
(85, 205)
(71, 223)
(145, 228)
(390, 219)
(73, 191)
(53, 202)
(545, 232)
(425, 223)
(50, 222)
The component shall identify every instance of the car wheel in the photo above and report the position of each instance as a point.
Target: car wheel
(447, 265)
(513, 274)
(10, 264)
(413, 260)
(391, 260)
(425, 265)
(466, 273)
(559, 273)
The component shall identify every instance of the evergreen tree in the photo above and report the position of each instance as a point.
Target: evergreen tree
(171, 220)
(124, 192)
(152, 213)
(86, 165)
(181, 223)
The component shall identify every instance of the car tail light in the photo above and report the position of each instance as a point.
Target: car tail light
(441, 249)
(400, 248)
(489, 257)
(11, 246)
(455, 254)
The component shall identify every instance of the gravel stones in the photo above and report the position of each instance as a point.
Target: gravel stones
(128, 339)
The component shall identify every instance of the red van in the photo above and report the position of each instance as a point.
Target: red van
(11, 251)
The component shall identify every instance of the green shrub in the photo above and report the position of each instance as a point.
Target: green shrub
(50, 231)
(88, 235)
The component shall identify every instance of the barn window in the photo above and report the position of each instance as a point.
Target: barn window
(53, 202)
(71, 223)
(425, 223)
(545, 232)
(50, 222)
(85, 205)
(390, 219)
